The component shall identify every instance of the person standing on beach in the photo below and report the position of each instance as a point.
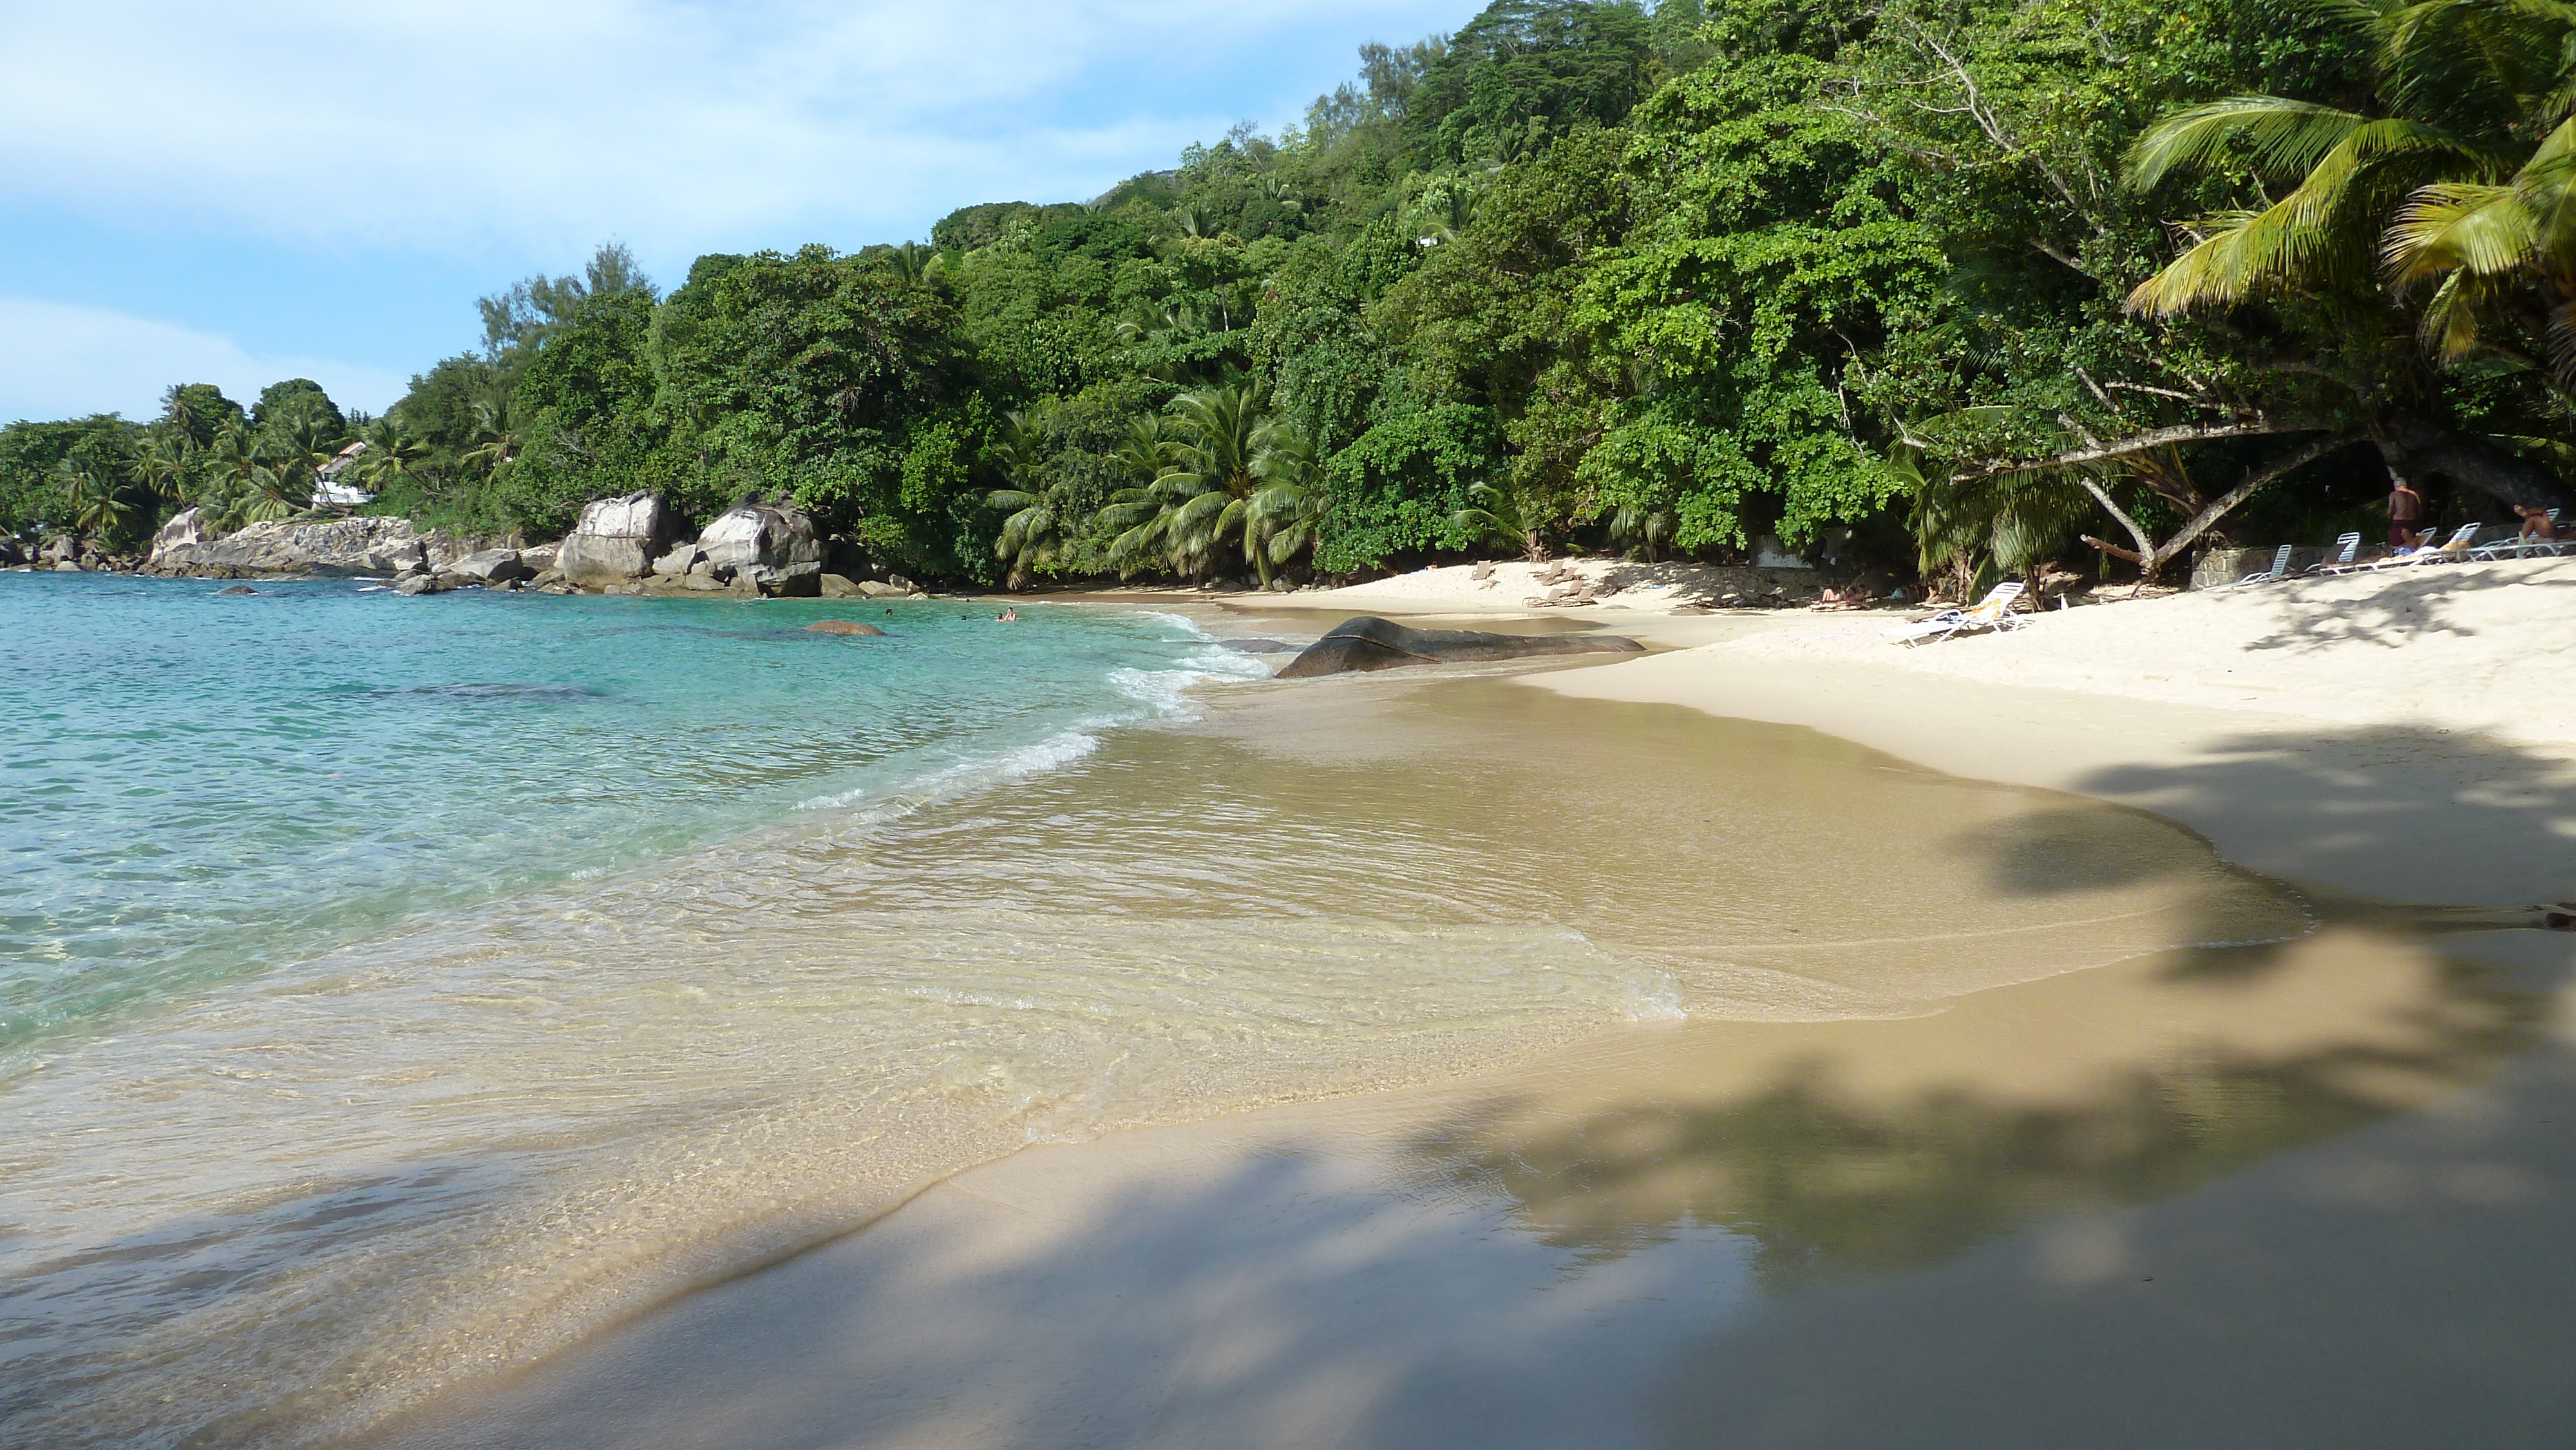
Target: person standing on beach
(2405, 510)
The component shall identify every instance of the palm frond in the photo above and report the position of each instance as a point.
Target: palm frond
(2281, 137)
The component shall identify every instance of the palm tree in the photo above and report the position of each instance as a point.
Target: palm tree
(2460, 181)
(95, 493)
(252, 478)
(1648, 528)
(164, 461)
(1281, 515)
(1226, 464)
(496, 437)
(1042, 514)
(224, 477)
(1492, 514)
(392, 457)
(281, 486)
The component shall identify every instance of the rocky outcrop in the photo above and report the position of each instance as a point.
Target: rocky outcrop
(491, 566)
(616, 541)
(186, 529)
(332, 546)
(186, 546)
(1371, 643)
(771, 545)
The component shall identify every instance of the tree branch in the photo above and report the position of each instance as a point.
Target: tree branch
(2146, 442)
(2226, 502)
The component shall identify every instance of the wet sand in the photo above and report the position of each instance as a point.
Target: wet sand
(2002, 1161)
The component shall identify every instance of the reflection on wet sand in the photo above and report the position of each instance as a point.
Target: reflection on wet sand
(1844, 1149)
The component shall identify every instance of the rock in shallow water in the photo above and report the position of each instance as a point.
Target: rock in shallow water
(1371, 643)
(841, 626)
(1256, 646)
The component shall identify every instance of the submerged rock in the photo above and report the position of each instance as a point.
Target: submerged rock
(841, 626)
(616, 541)
(1256, 646)
(1371, 643)
(237, 589)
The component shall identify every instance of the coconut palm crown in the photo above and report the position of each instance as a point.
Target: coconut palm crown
(1228, 472)
(2455, 191)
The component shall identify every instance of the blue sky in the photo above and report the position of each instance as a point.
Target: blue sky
(234, 194)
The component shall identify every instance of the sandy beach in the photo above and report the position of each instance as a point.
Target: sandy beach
(2071, 1127)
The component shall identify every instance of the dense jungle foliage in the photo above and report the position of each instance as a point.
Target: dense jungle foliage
(1948, 284)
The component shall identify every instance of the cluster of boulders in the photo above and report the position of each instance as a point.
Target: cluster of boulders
(629, 545)
(502, 568)
(63, 552)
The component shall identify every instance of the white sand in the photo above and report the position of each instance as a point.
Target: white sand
(2487, 647)
(1621, 587)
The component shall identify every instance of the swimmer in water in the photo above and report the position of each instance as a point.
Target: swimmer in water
(1008, 615)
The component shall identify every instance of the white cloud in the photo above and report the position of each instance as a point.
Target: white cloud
(58, 361)
(447, 124)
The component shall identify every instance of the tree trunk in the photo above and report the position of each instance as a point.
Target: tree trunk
(2418, 446)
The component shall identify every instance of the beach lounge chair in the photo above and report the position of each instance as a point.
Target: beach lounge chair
(2454, 548)
(2280, 569)
(1992, 612)
(2346, 549)
(2519, 547)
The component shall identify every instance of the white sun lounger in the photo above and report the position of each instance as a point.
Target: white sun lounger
(2518, 546)
(2346, 549)
(2280, 569)
(2453, 548)
(1992, 612)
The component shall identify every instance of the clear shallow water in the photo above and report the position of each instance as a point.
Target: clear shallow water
(568, 1002)
(195, 786)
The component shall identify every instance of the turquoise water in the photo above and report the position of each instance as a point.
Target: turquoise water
(196, 786)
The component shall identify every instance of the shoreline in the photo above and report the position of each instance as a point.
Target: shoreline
(2272, 792)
